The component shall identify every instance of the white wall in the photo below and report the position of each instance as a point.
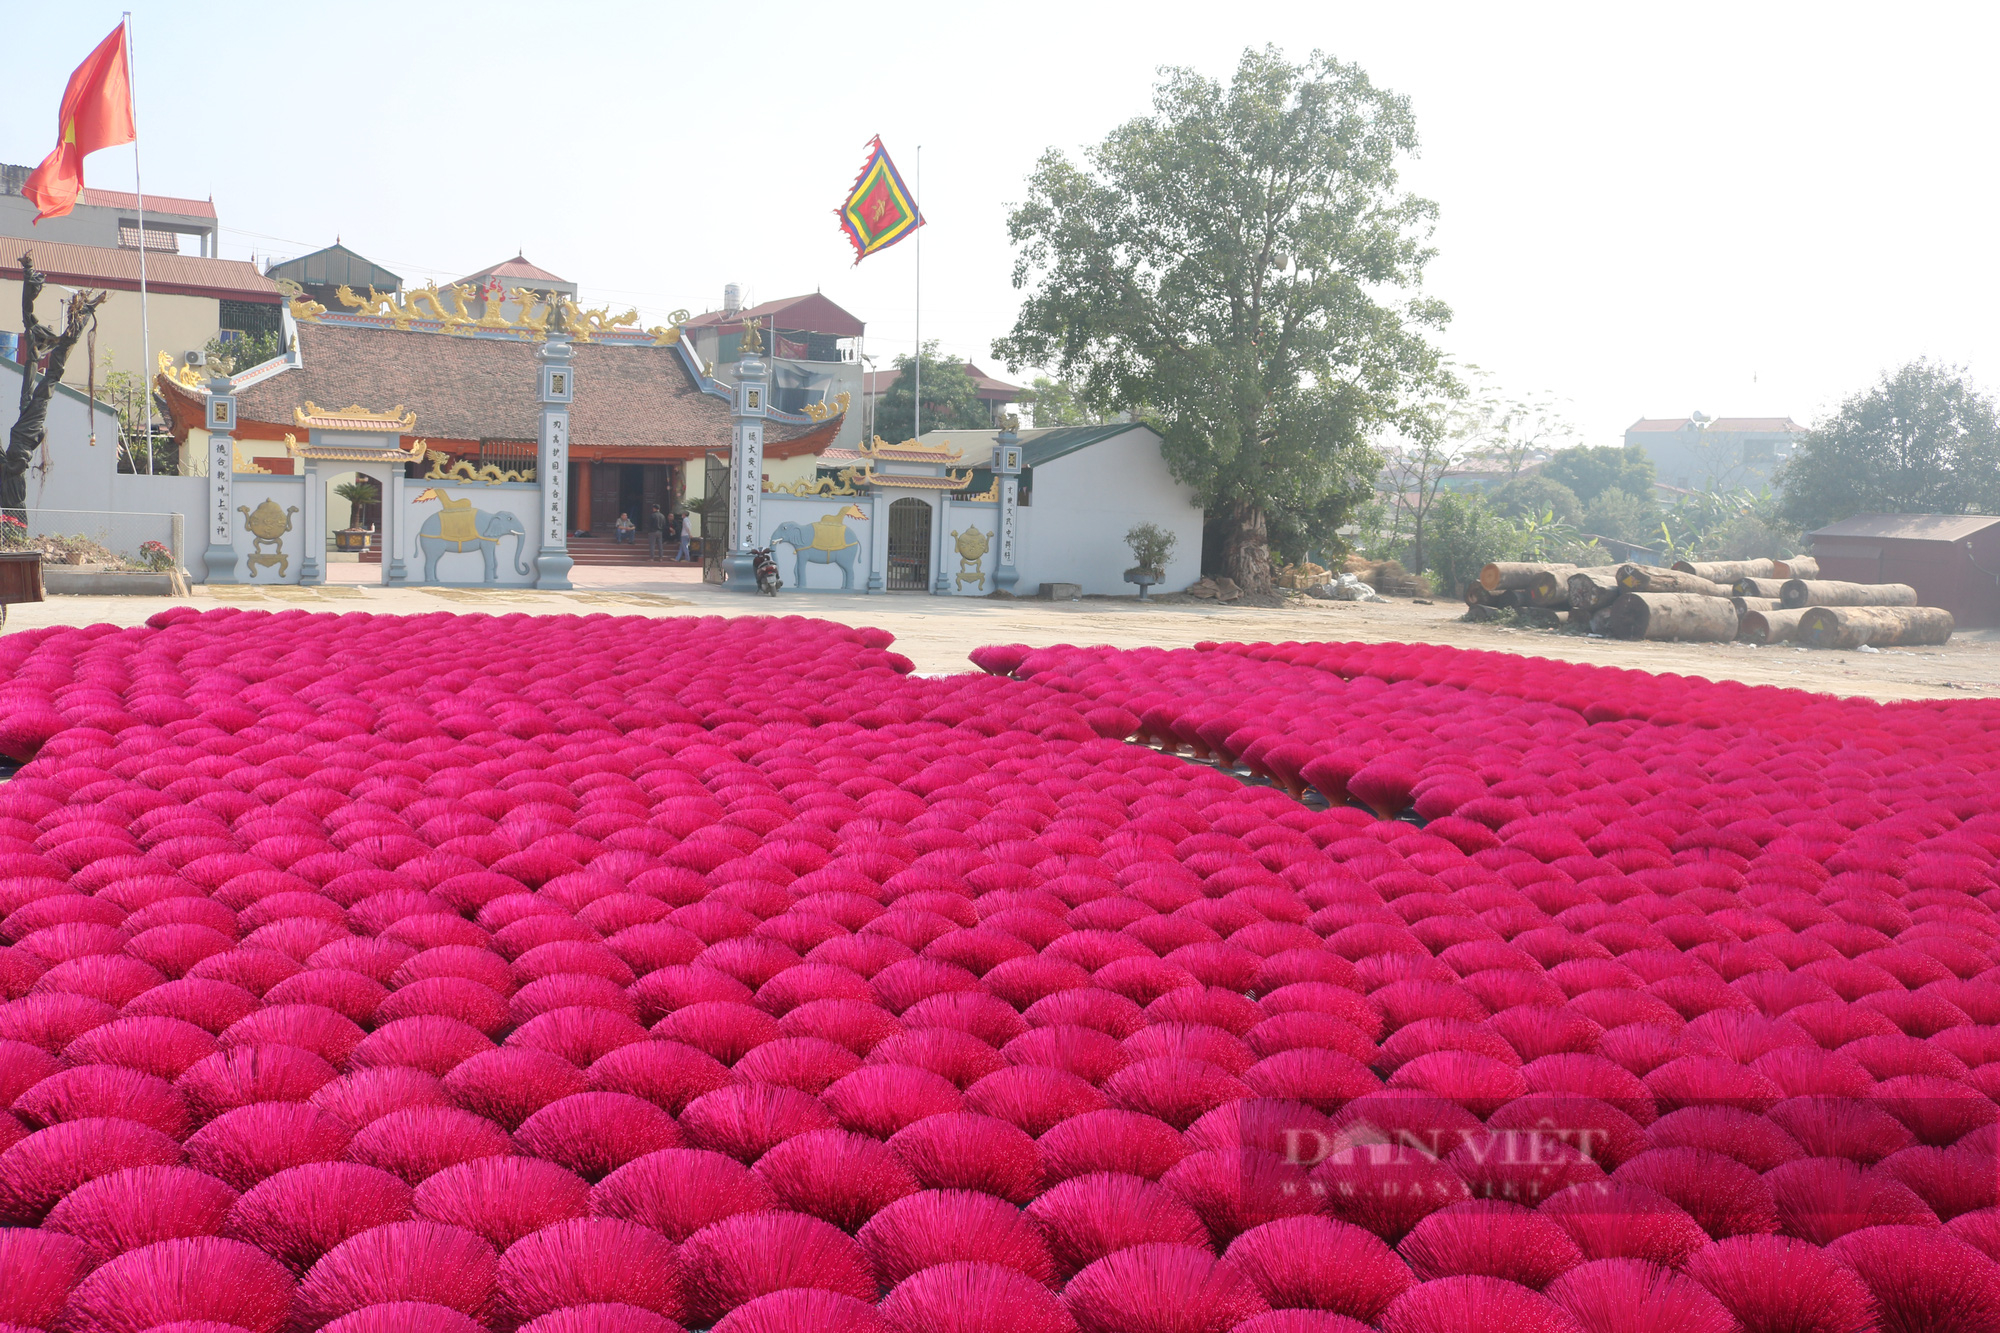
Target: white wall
(250, 491)
(1085, 502)
(521, 499)
(965, 516)
(780, 509)
(67, 473)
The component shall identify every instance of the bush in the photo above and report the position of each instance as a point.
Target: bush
(1152, 546)
(1750, 537)
(1526, 497)
(1462, 536)
(1591, 470)
(1614, 513)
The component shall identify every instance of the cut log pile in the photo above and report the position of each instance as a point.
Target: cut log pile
(1755, 601)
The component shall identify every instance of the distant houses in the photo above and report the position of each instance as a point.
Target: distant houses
(1697, 452)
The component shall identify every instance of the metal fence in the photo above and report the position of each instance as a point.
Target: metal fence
(94, 536)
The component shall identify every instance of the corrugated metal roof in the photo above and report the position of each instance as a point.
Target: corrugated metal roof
(1045, 446)
(95, 266)
(1037, 446)
(1909, 527)
(161, 204)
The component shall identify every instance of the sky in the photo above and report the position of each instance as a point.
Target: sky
(1747, 209)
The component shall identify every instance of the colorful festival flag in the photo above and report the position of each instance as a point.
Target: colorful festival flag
(879, 210)
(96, 113)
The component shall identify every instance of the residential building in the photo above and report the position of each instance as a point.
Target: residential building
(109, 219)
(190, 302)
(493, 283)
(1698, 452)
(811, 344)
(323, 273)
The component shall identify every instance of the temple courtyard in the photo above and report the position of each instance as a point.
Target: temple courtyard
(937, 632)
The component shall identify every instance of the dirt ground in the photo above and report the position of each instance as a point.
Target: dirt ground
(937, 632)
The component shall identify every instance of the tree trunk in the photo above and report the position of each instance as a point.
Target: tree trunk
(1675, 615)
(1745, 605)
(1651, 578)
(1758, 587)
(1246, 551)
(1795, 567)
(1768, 626)
(1551, 587)
(1592, 589)
(1728, 571)
(1518, 574)
(1820, 592)
(1877, 626)
(31, 426)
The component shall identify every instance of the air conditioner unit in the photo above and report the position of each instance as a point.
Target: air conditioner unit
(194, 358)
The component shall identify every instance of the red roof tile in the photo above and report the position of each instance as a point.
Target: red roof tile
(1658, 424)
(990, 389)
(1775, 424)
(517, 267)
(811, 313)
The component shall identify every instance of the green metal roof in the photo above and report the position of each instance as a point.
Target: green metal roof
(77, 394)
(1048, 445)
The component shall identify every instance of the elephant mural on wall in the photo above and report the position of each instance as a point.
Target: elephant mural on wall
(825, 541)
(457, 527)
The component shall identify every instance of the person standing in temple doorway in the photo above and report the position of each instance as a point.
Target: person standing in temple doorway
(683, 525)
(656, 534)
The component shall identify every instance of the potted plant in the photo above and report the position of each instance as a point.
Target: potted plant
(1152, 546)
(364, 499)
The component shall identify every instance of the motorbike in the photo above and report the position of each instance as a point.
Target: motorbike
(764, 564)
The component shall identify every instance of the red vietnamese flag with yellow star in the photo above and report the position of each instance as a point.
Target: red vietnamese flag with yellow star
(96, 113)
(879, 210)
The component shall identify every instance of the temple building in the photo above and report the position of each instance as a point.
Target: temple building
(646, 419)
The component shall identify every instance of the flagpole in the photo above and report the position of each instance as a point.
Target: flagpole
(139, 193)
(917, 397)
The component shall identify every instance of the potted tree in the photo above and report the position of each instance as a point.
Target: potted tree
(364, 499)
(1152, 546)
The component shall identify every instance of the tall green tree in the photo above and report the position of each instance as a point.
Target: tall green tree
(1055, 403)
(951, 399)
(1921, 441)
(1241, 266)
(1591, 470)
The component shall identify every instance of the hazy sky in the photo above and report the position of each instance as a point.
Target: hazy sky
(1745, 209)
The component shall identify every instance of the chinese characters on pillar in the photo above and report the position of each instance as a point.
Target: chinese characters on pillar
(749, 485)
(554, 471)
(1008, 499)
(221, 466)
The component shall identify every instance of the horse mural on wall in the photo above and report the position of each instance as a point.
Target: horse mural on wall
(826, 541)
(458, 527)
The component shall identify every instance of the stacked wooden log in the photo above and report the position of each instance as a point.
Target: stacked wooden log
(1757, 601)
(1873, 626)
(1521, 584)
(1817, 592)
